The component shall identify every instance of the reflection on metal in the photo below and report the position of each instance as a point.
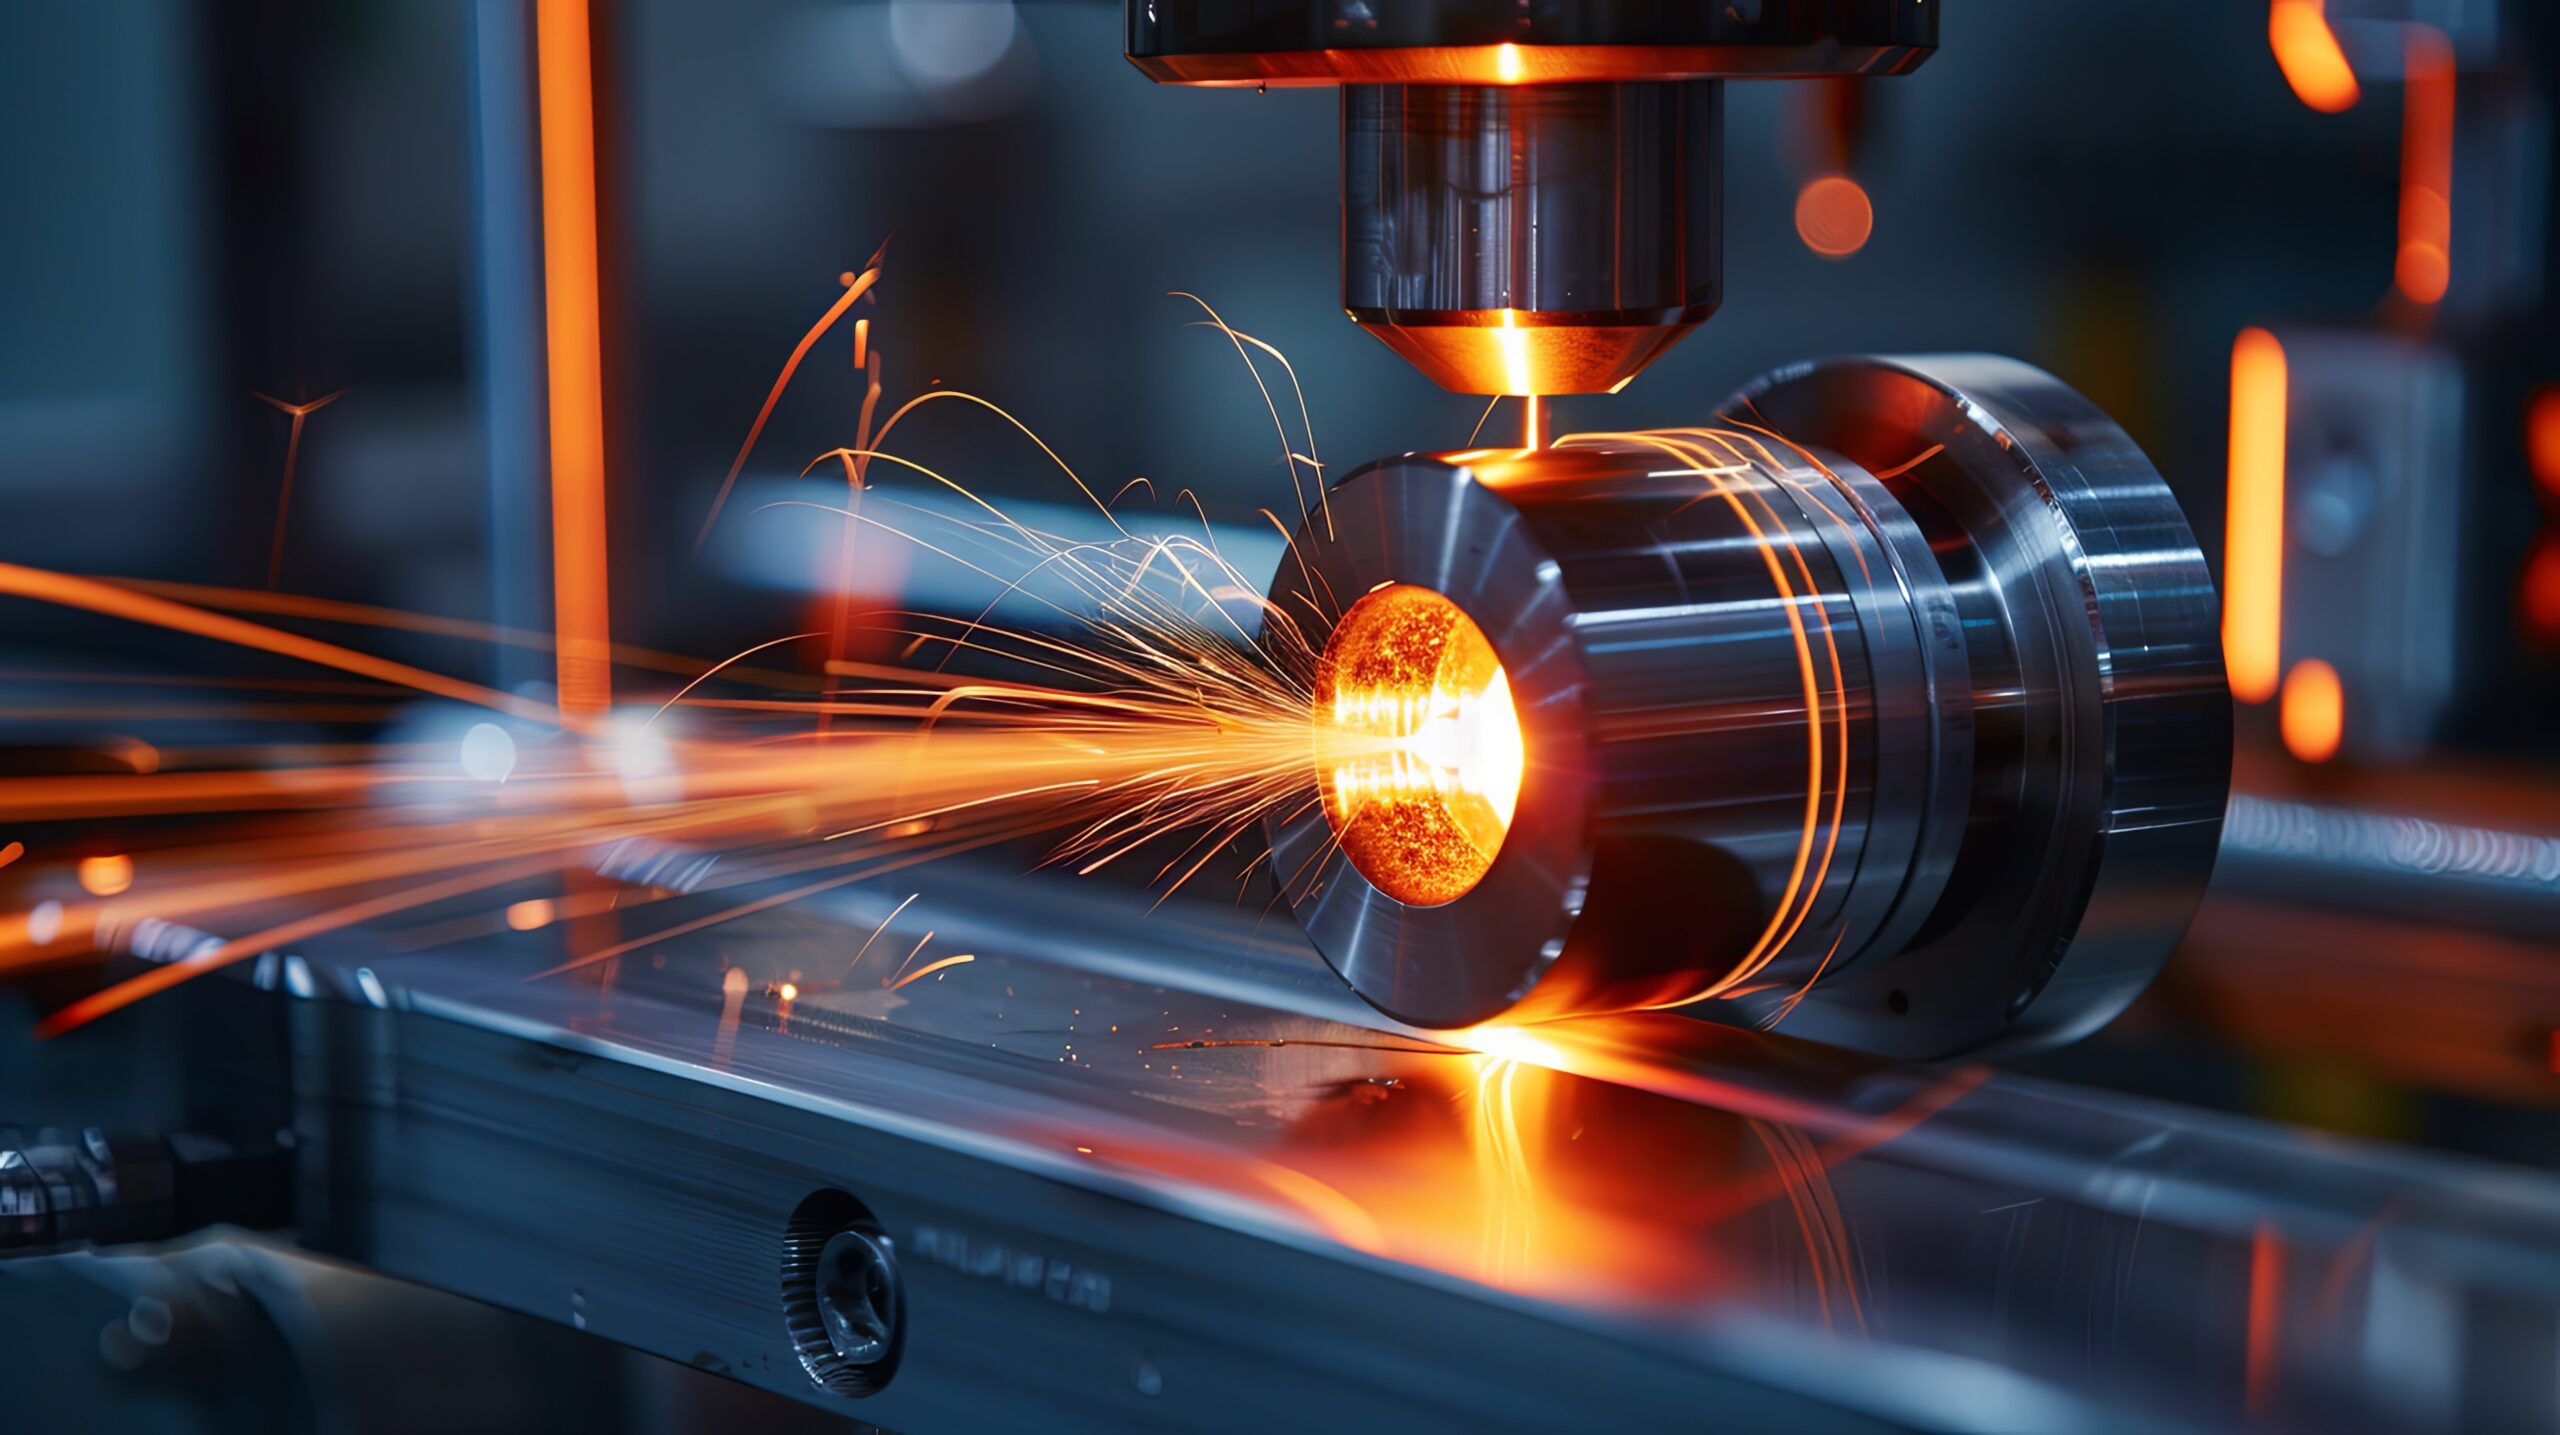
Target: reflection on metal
(1727, 1201)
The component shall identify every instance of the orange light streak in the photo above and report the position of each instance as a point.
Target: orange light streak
(929, 968)
(2253, 538)
(2424, 269)
(12, 853)
(96, 597)
(1533, 425)
(292, 452)
(855, 286)
(2266, 1307)
(573, 299)
(2313, 714)
(159, 979)
(531, 914)
(2307, 51)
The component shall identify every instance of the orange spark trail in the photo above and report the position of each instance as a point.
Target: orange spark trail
(17, 580)
(875, 933)
(159, 979)
(855, 286)
(929, 968)
(292, 451)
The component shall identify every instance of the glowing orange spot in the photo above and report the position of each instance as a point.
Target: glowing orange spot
(2253, 552)
(2425, 265)
(572, 296)
(789, 992)
(2308, 53)
(1418, 749)
(106, 876)
(2542, 439)
(2313, 716)
(1506, 64)
(2538, 595)
(534, 913)
(12, 853)
(1834, 217)
(1533, 427)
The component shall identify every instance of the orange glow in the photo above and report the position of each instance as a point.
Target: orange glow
(531, 914)
(2542, 440)
(1418, 750)
(1494, 64)
(2307, 51)
(2313, 716)
(573, 298)
(2538, 596)
(106, 876)
(789, 992)
(1515, 354)
(1533, 426)
(2425, 265)
(2266, 1303)
(928, 969)
(1834, 217)
(2253, 552)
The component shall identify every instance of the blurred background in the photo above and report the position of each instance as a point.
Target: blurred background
(270, 317)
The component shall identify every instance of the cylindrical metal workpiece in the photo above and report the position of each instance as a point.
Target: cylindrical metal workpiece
(1889, 709)
(1536, 239)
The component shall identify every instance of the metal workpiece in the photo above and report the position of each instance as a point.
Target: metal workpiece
(1889, 711)
(1587, 215)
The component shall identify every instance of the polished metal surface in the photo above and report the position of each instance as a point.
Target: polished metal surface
(1587, 215)
(1160, 1171)
(2102, 719)
(1884, 715)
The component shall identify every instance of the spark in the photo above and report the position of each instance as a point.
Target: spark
(876, 931)
(855, 286)
(929, 968)
(299, 413)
